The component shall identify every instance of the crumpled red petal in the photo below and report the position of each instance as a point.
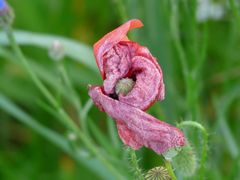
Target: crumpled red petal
(111, 39)
(118, 57)
(137, 128)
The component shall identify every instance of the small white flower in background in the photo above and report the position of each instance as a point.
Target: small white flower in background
(56, 51)
(208, 10)
(72, 136)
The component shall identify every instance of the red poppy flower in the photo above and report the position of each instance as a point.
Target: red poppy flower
(118, 58)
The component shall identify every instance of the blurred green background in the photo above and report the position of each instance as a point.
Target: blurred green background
(197, 44)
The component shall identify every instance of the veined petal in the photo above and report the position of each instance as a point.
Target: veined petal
(119, 59)
(129, 59)
(148, 81)
(137, 128)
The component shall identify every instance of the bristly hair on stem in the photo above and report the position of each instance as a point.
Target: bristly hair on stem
(204, 132)
(138, 174)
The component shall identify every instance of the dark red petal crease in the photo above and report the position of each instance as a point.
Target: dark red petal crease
(119, 58)
(137, 128)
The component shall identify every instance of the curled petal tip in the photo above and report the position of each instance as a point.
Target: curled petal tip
(111, 39)
(135, 23)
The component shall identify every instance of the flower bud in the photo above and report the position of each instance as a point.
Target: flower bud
(6, 14)
(56, 51)
(72, 136)
(171, 153)
(124, 86)
(185, 162)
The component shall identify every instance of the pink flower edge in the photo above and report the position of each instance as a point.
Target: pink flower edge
(137, 128)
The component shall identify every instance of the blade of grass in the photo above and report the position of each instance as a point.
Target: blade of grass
(84, 112)
(101, 138)
(221, 107)
(234, 6)
(75, 50)
(65, 118)
(9, 107)
(112, 130)
(60, 141)
(228, 136)
(45, 73)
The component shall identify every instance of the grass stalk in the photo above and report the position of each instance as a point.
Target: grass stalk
(66, 120)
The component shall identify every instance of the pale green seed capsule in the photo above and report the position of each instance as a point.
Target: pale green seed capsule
(157, 173)
(124, 86)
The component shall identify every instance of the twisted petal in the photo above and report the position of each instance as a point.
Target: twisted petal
(148, 81)
(129, 59)
(118, 57)
(137, 128)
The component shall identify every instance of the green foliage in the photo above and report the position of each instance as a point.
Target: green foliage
(49, 128)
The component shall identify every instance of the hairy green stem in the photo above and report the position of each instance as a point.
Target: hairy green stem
(170, 170)
(21, 57)
(134, 164)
